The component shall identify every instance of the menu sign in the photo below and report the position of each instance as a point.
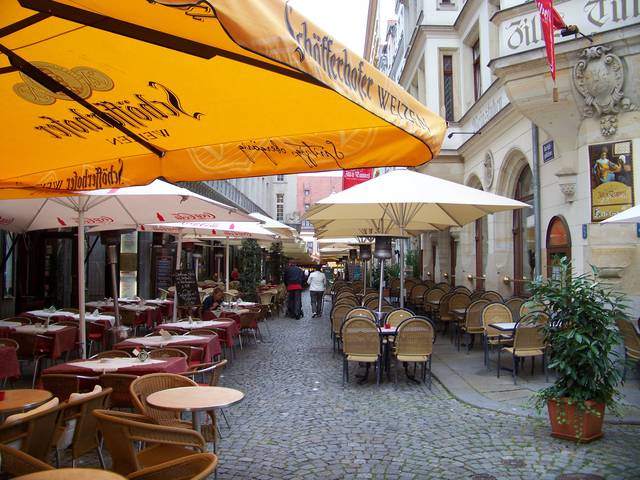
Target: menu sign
(187, 288)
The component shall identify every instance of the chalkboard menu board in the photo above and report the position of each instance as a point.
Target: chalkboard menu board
(187, 288)
(164, 268)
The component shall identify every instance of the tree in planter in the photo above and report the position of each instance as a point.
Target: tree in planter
(580, 339)
(277, 262)
(412, 259)
(250, 272)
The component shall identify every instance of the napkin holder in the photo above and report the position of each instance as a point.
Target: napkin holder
(141, 355)
(164, 334)
(96, 312)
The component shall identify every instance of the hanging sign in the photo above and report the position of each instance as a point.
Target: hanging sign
(611, 174)
(355, 176)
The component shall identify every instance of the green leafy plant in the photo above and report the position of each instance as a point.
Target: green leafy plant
(391, 270)
(277, 262)
(580, 338)
(412, 259)
(250, 269)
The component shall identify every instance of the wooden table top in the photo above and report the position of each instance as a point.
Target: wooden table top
(23, 399)
(193, 399)
(73, 474)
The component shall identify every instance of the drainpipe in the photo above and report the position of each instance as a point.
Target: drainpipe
(536, 198)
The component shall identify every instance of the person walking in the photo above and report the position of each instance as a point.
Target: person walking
(317, 285)
(294, 279)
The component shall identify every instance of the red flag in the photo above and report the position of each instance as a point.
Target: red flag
(551, 21)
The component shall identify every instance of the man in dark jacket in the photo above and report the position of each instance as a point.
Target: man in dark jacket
(294, 280)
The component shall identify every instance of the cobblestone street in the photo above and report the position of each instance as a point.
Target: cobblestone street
(297, 421)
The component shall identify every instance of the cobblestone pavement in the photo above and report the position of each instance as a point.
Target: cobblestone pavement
(298, 422)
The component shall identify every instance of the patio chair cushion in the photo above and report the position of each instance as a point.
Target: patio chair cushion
(362, 358)
(412, 358)
(525, 352)
(42, 408)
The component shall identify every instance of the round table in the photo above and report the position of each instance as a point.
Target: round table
(73, 474)
(23, 399)
(195, 399)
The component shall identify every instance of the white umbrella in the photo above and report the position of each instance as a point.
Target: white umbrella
(630, 215)
(410, 200)
(285, 231)
(207, 230)
(157, 202)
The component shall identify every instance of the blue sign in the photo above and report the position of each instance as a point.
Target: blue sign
(547, 151)
(638, 230)
(584, 231)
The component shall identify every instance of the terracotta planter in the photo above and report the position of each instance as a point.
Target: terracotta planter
(572, 423)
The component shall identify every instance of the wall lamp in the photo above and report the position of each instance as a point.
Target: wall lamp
(464, 133)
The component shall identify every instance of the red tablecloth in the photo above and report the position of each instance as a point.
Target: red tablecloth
(210, 345)
(227, 331)
(9, 366)
(170, 365)
(64, 340)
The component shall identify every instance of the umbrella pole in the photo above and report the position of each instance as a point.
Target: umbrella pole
(402, 269)
(81, 322)
(178, 268)
(381, 285)
(226, 265)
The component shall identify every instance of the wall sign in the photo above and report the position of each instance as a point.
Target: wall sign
(547, 151)
(611, 174)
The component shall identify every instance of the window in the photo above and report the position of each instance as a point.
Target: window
(477, 85)
(280, 207)
(523, 234)
(558, 246)
(279, 178)
(447, 83)
(307, 192)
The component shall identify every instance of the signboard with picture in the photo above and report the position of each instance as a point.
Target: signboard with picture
(611, 174)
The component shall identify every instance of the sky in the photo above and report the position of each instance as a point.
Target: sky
(346, 20)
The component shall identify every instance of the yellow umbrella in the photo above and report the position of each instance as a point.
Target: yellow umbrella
(97, 94)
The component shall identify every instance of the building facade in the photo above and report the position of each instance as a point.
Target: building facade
(482, 64)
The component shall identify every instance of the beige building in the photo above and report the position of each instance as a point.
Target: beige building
(482, 64)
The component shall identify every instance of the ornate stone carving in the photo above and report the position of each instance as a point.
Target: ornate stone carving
(567, 182)
(487, 170)
(599, 78)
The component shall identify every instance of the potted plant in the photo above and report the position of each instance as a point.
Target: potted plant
(580, 337)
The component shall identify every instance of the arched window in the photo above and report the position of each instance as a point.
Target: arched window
(524, 240)
(558, 245)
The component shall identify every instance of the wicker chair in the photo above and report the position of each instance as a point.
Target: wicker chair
(387, 308)
(34, 348)
(443, 315)
(430, 301)
(194, 467)
(394, 288)
(63, 385)
(494, 313)
(165, 445)
(458, 301)
(9, 342)
(215, 369)
(492, 296)
(24, 320)
(338, 315)
(119, 383)
(166, 353)
(416, 296)
(515, 304)
(249, 323)
(530, 306)
(346, 301)
(111, 354)
(77, 417)
(631, 344)
(473, 321)
(397, 316)
(33, 434)
(373, 303)
(462, 289)
(443, 286)
(361, 312)
(144, 386)
(414, 344)
(195, 355)
(360, 343)
(17, 463)
(528, 341)
(477, 295)
(368, 297)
